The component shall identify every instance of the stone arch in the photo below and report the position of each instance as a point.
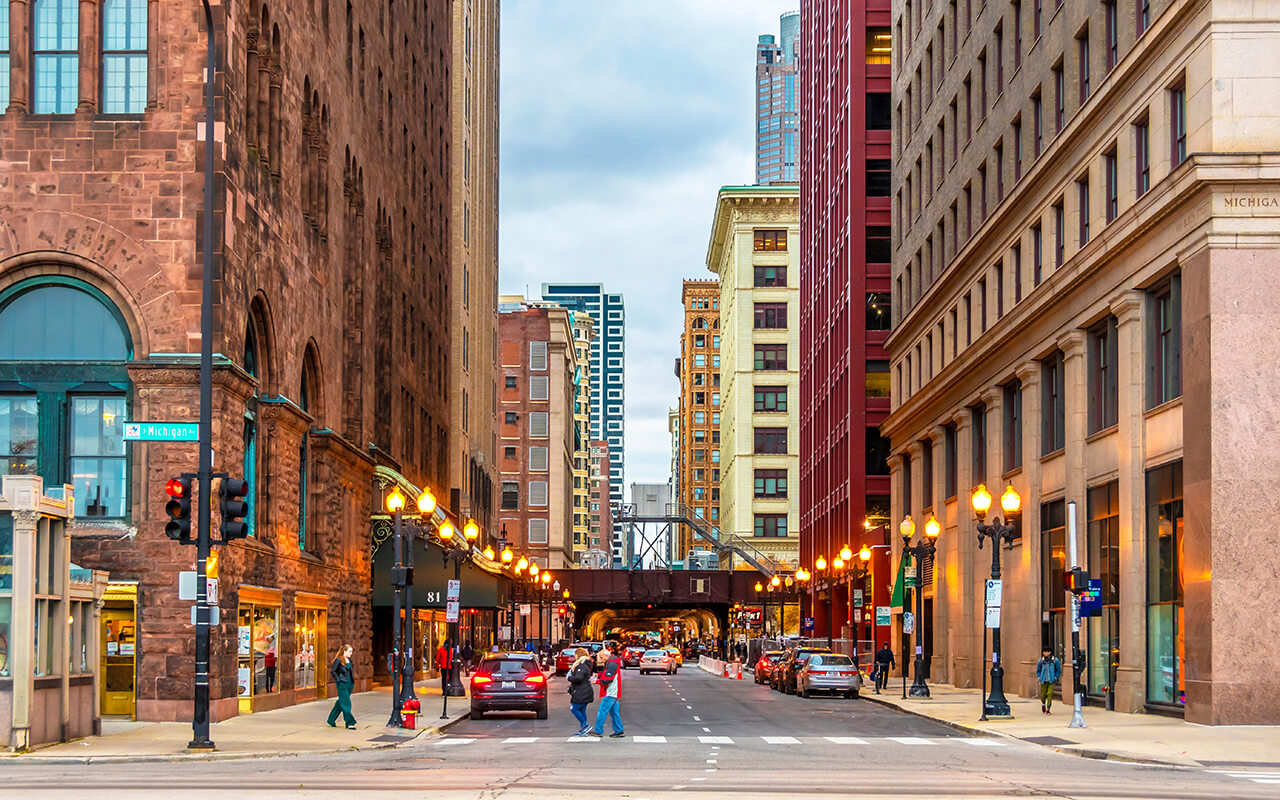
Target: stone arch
(311, 383)
(259, 321)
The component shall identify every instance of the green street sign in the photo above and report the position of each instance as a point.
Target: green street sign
(161, 431)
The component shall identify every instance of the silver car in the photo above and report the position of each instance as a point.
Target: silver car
(658, 661)
(828, 672)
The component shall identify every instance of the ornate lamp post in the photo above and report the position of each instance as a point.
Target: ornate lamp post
(398, 665)
(996, 705)
(919, 552)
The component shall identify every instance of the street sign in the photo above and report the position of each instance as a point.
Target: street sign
(909, 576)
(857, 598)
(884, 617)
(908, 623)
(1091, 599)
(187, 587)
(451, 611)
(525, 609)
(993, 617)
(455, 588)
(808, 623)
(215, 615)
(161, 431)
(995, 592)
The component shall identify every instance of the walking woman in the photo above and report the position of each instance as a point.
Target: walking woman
(580, 692)
(343, 674)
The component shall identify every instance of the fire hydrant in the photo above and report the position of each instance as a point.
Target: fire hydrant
(409, 712)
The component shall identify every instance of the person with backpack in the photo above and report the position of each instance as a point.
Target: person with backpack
(1048, 671)
(580, 692)
(610, 683)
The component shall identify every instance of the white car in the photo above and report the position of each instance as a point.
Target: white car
(658, 661)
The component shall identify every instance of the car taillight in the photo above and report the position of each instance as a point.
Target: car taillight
(481, 679)
(535, 678)
(665, 660)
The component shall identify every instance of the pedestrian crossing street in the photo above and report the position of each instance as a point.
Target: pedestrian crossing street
(780, 741)
(1268, 777)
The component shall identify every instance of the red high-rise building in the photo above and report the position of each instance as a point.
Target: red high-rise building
(844, 312)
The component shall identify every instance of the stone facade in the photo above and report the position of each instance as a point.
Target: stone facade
(331, 298)
(1078, 316)
(698, 429)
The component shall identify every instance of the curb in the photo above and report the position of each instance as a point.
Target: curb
(165, 758)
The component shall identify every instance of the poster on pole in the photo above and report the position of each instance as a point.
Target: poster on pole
(995, 592)
(451, 611)
(993, 617)
(908, 623)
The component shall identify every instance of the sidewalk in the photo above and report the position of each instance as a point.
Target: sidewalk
(1143, 738)
(289, 731)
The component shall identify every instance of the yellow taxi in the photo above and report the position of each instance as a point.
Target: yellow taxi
(675, 655)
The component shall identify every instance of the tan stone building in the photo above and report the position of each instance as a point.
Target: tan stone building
(583, 334)
(755, 250)
(698, 428)
(474, 258)
(1085, 205)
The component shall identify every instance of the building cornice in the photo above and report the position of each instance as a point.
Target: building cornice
(735, 198)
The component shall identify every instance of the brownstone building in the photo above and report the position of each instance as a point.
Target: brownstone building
(538, 365)
(699, 372)
(332, 297)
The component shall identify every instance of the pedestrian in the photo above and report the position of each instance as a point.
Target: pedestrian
(468, 653)
(580, 692)
(342, 672)
(884, 662)
(444, 663)
(610, 682)
(1048, 670)
(602, 657)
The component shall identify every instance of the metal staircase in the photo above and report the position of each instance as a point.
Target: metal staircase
(724, 544)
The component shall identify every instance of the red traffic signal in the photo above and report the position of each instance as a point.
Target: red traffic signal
(563, 611)
(179, 509)
(175, 487)
(234, 508)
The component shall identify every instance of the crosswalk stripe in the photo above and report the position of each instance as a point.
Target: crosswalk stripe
(983, 742)
(715, 740)
(448, 742)
(650, 739)
(910, 740)
(780, 739)
(520, 740)
(845, 740)
(583, 739)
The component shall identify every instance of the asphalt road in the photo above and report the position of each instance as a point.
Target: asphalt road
(688, 736)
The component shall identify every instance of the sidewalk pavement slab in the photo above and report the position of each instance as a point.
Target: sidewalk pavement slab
(1139, 738)
(293, 730)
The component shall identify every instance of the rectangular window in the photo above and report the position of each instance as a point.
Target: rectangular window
(1012, 402)
(771, 441)
(770, 316)
(19, 426)
(1102, 543)
(773, 526)
(771, 398)
(879, 247)
(877, 452)
(1037, 17)
(951, 461)
(982, 305)
(1178, 124)
(905, 484)
(879, 48)
(770, 276)
(539, 424)
(1164, 342)
(538, 459)
(538, 531)
(1166, 624)
(1037, 124)
(55, 55)
(1113, 35)
(537, 494)
(1082, 43)
(1017, 150)
(998, 37)
(510, 495)
(1059, 98)
(1143, 8)
(511, 382)
(877, 378)
(1059, 232)
(1082, 198)
(770, 240)
(539, 387)
(1017, 35)
(879, 173)
(1015, 263)
(124, 57)
(510, 418)
(978, 443)
(771, 483)
(1142, 155)
(926, 473)
(878, 116)
(538, 356)
(1053, 410)
(998, 267)
(97, 463)
(1053, 567)
(770, 357)
(1103, 375)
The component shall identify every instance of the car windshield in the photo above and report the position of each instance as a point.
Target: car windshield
(508, 666)
(774, 655)
(566, 653)
(830, 661)
(655, 653)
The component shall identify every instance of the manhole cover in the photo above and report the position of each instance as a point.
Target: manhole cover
(1048, 740)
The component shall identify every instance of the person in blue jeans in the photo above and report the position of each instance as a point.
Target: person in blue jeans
(610, 682)
(580, 692)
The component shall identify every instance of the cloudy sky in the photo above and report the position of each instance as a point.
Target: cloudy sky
(620, 121)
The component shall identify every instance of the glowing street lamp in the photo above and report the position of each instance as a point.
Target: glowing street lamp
(997, 531)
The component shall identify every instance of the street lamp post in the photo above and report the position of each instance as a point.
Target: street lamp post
(919, 552)
(470, 532)
(820, 564)
(995, 705)
(400, 663)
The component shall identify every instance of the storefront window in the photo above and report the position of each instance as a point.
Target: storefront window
(308, 634)
(1104, 566)
(258, 650)
(1053, 563)
(5, 612)
(6, 553)
(18, 435)
(1166, 632)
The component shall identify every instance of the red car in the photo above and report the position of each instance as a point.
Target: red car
(631, 656)
(768, 660)
(564, 660)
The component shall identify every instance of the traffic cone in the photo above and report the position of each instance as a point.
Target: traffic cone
(739, 670)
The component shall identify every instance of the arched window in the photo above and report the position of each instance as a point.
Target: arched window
(308, 401)
(251, 361)
(64, 348)
(55, 56)
(124, 56)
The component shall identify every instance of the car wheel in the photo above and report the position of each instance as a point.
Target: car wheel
(805, 693)
(852, 695)
(476, 713)
(542, 712)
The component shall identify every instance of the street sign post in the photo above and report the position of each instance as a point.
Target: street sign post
(857, 598)
(884, 616)
(161, 431)
(451, 601)
(995, 592)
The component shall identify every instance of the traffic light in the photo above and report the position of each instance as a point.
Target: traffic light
(1077, 580)
(234, 508)
(563, 611)
(179, 509)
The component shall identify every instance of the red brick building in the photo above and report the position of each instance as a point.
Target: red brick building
(844, 300)
(331, 309)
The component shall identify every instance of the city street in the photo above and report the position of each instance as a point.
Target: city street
(688, 735)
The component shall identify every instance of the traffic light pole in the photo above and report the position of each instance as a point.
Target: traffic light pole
(200, 711)
(1077, 655)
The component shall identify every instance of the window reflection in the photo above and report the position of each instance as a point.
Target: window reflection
(18, 435)
(98, 455)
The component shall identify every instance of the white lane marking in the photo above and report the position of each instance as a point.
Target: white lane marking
(697, 779)
(520, 740)
(689, 707)
(845, 740)
(715, 740)
(711, 761)
(706, 730)
(697, 719)
(448, 742)
(650, 739)
(984, 743)
(780, 739)
(910, 740)
(709, 770)
(583, 739)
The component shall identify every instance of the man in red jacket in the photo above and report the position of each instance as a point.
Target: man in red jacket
(610, 683)
(444, 663)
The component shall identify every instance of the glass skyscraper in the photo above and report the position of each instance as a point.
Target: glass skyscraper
(778, 104)
(608, 376)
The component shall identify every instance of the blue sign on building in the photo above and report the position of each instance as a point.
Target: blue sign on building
(1091, 599)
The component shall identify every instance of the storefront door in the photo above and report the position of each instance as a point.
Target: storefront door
(258, 647)
(119, 650)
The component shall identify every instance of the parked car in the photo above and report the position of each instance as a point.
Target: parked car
(785, 674)
(767, 662)
(565, 659)
(508, 682)
(829, 672)
(675, 655)
(631, 656)
(658, 661)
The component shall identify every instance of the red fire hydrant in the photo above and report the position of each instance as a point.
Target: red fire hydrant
(409, 712)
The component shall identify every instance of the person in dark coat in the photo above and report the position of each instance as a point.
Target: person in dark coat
(580, 692)
(468, 655)
(884, 662)
(342, 672)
